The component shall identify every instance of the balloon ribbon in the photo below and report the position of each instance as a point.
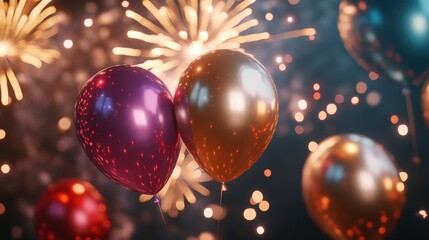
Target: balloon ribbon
(222, 188)
(158, 202)
(407, 94)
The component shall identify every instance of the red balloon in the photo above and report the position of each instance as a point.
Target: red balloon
(126, 125)
(72, 209)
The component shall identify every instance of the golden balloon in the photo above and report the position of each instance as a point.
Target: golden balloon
(352, 189)
(227, 109)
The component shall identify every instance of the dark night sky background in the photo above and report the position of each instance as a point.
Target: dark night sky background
(323, 60)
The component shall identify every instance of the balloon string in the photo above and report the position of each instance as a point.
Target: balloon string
(412, 125)
(158, 202)
(222, 186)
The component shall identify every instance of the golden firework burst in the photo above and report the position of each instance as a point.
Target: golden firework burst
(185, 179)
(187, 29)
(24, 26)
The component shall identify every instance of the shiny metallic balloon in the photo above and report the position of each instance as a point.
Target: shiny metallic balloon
(388, 37)
(71, 209)
(227, 109)
(125, 123)
(352, 189)
(425, 102)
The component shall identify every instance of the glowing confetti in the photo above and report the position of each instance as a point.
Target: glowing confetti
(25, 27)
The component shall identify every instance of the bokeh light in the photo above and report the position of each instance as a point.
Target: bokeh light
(299, 117)
(312, 146)
(267, 172)
(403, 176)
(88, 22)
(208, 212)
(373, 75)
(316, 87)
(302, 104)
(64, 123)
(68, 43)
(331, 109)
(206, 236)
(2, 134)
(257, 196)
(264, 206)
(403, 130)
(394, 119)
(249, 214)
(5, 168)
(373, 99)
(2, 209)
(361, 87)
(260, 230)
(322, 115)
(354, 100)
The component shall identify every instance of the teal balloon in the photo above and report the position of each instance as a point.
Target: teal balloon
(390, 38)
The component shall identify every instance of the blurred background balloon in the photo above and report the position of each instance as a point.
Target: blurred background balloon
(72, 209)
(352, 188)
(227, 109)
(125, 123)
(388, 37)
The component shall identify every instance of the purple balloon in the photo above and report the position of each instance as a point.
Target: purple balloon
(126, 125)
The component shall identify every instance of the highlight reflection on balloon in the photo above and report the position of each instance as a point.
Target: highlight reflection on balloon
(72, 209)
(126, 124)
(388, 37)
(227, 108)
(352, 189)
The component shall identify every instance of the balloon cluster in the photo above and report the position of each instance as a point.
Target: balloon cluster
(226, 107)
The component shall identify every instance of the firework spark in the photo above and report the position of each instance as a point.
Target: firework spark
(186, 177)
(24, 26)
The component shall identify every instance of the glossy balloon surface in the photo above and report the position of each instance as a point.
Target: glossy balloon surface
(388, 37)
(71, 209)
(125, 122)
(352, 189)
(227, 108)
